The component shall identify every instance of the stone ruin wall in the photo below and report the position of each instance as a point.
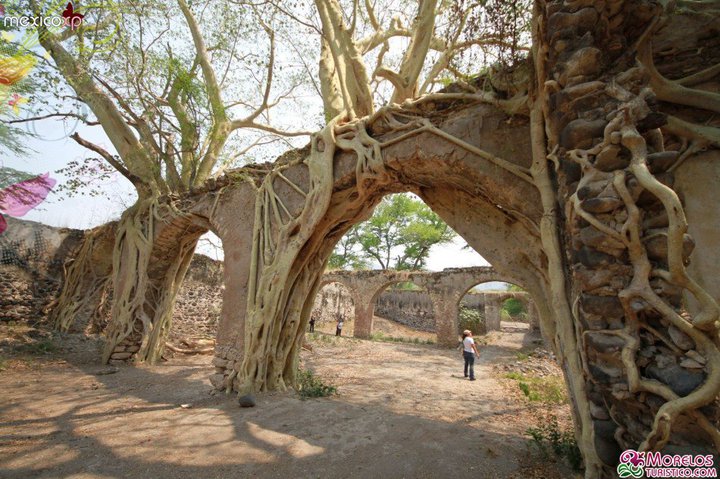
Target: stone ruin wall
(331, 300)
(410, 308)
(31, 273)
(31, 267)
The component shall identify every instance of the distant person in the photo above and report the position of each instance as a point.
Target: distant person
(469, 353)
(338, 330)
(312, 324)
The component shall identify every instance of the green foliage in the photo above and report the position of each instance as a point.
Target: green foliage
(472, 319)
(380, 336)
(398, 236)
(544, 389)
(310, 386)
(548, 437)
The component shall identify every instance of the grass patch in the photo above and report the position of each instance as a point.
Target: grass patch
(46, 346)
(548, 437)
(522, 356)
(379, 336)
(310, 386)
(3, 364)
(544, 389)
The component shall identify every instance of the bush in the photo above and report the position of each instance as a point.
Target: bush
(472, 319)
(561, 442)
(310, 386)
(544, 389)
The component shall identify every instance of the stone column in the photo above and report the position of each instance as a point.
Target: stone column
(532, 315)
(445, 308)
(364, 310)
(492, 314)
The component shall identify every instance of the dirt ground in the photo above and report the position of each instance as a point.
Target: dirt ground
(402, 411)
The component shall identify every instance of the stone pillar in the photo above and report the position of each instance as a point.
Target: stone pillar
(492, 314)
(532, 315)
(445, 308)
(364, 310)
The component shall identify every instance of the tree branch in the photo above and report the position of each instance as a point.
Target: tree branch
(107, 157)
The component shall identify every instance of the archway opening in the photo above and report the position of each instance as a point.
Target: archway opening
(492, 305)
(403, 312)
(333, 302)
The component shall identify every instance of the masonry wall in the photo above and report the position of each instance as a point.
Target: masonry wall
(31, 267)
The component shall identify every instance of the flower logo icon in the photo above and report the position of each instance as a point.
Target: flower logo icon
(631, 465)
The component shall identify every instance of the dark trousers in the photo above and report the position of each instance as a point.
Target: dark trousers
(312, 327)
(469, 363)
(338, 332)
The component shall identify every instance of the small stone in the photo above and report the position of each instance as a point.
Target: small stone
(121, 356)
(694, 355)
(604, 342)
(598, 240)
(602, 204)
(218, 381)
(657, 247)
(680, 339)
(247, 401)
(662, 160)
(690, 364)
(580, 133)
(593, 258)
(186, 406)
(219, 362)
(598, 412)
(681, 381)
(609, 159)
(602, 305)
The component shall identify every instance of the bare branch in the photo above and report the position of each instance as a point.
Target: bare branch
(107, 157)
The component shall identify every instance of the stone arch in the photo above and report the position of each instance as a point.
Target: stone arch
(359, 182)
(368, 308)
(348, 314)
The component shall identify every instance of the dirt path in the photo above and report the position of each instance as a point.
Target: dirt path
(403, 411)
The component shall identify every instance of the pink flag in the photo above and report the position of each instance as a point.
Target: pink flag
(18, 199)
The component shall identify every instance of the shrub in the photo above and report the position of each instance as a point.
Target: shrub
(472, 319)
(544, 389)
(310, 386)
(562, 443)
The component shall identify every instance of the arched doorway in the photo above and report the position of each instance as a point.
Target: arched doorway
(403, 311)
(486, 305)
(334, 300)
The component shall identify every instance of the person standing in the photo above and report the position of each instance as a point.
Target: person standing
(312, 324)
(470, 351)
(338, 330)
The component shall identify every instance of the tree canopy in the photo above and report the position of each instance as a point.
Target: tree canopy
(398, 236)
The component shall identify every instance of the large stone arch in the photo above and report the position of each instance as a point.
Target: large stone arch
(408, 165)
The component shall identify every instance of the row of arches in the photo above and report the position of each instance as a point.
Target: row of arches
(444, 290)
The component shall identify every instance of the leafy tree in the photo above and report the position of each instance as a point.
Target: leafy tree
(398, 236)
(514, 307)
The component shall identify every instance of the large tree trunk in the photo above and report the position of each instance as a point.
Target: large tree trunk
(81, 305)
(633, 355)
(153, 249)
(140, 262)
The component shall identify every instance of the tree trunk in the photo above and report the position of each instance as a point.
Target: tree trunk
(153, 249)
(622, 331)
(80, 306)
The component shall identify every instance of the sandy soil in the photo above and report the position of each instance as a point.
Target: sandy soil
(402, 411)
